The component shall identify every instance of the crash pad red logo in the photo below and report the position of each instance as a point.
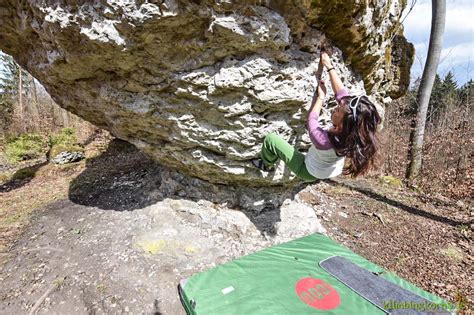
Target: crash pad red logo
(318, 294)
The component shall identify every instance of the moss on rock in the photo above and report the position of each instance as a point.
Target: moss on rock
(59, 148)
(391, 181)
(25, 147)
(400, 59)
(336, 19)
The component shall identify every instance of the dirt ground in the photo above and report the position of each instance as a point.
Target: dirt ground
(425, 240)
(97, 237)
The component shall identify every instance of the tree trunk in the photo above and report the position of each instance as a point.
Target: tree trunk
(20, 101)
(53, 115)
(33, 106)
(438, 15)
(65, 117)
(37, 106)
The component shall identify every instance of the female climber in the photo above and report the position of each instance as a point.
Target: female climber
(353, 135)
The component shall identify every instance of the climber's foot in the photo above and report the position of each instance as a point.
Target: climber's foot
(258, 163)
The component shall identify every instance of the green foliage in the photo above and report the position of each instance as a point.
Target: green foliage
(445, 96)
(391, 181)
(65, 140)
(450, 92)
(449, 83)
(464, 230)
(6, 110)
(24, 173)
(6, 97)
(24, 147)
(466, 93)
(436, 99)
(67, 136)
(4, 177)
(10, 75)
(58, 148)
(412, 107)
(453, 252)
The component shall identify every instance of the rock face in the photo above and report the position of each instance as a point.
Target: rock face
(68, 157)
(198, 84)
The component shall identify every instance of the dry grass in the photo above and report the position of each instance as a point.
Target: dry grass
(33, 186)
(50, 183)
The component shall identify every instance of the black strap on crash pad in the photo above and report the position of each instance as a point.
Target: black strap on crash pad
(384, 294)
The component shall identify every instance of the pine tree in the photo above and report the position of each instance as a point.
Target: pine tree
(410, 110)
(13, 89)
(449, 82)
(436, 100)
(10, 76)
(466, 94)
(6, 95)
(450, 91)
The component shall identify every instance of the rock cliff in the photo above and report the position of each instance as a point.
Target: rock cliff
(198, 84)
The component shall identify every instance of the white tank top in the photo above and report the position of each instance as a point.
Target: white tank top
(323, 163)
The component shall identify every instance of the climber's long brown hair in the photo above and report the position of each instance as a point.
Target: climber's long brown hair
(358, 139)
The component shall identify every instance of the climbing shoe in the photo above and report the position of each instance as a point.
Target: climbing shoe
(258, 163)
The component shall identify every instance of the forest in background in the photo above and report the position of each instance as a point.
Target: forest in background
(449, 143)
(27, 113)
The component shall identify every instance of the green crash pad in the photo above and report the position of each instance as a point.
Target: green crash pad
(287, 279)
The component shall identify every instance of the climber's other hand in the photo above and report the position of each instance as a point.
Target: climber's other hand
(325, 60)
(322, 91)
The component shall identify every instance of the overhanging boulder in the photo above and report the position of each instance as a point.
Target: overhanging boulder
(198, 84)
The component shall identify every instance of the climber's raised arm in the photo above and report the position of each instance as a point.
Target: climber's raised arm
(318, 99)
(318, 136)
(339, 89)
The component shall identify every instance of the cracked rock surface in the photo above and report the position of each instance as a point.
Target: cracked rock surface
(198, 84)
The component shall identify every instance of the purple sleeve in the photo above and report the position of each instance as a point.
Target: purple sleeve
(319, 136)
(340, 94)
